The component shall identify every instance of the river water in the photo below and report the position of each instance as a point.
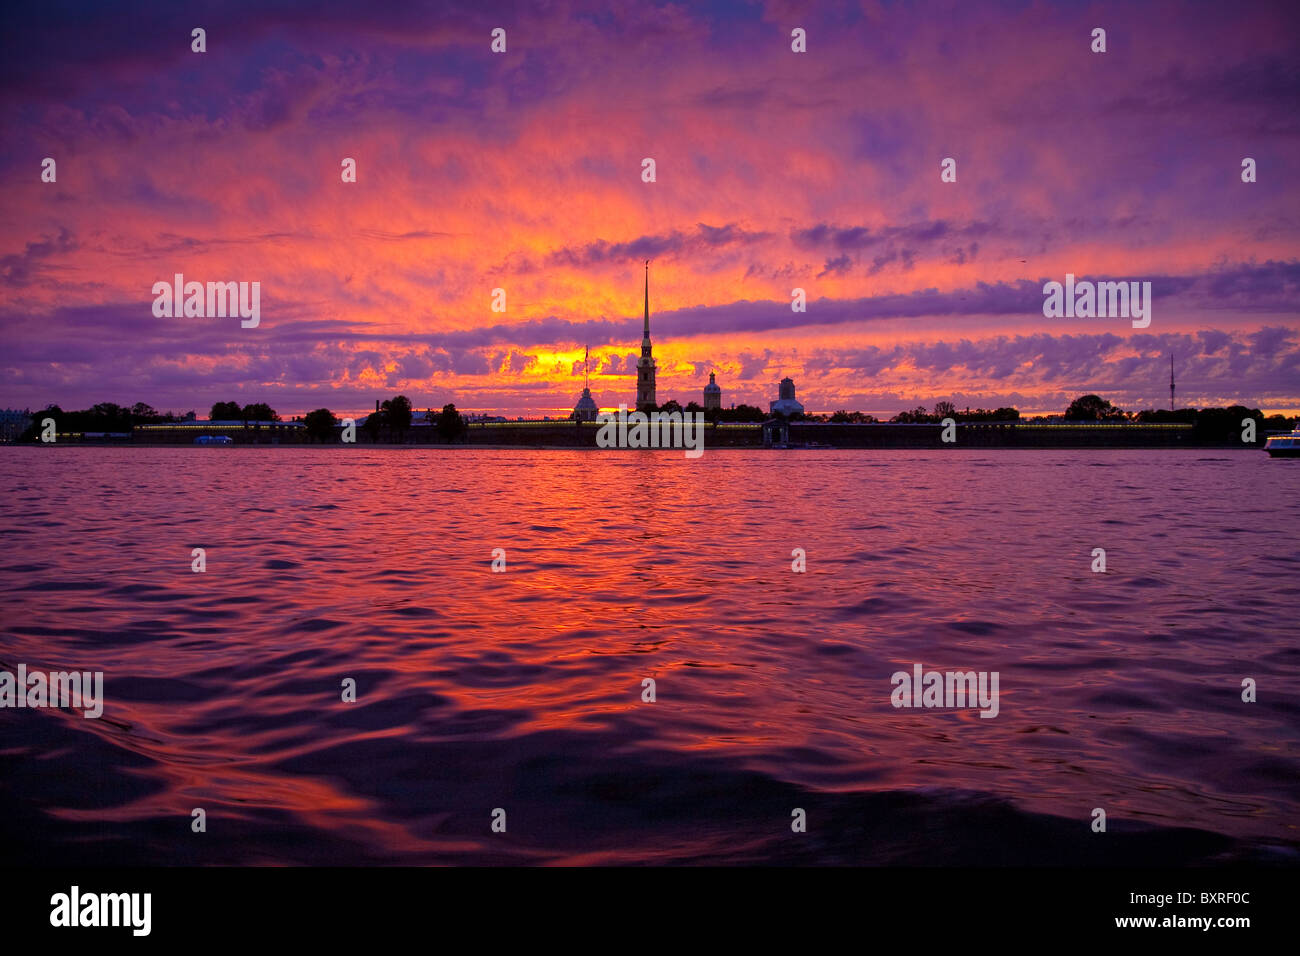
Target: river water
(523, 690)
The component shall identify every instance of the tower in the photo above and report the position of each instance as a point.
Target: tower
(645, 366)
(586, 410)
(786, 403)
(712, 394)
(1172, 406)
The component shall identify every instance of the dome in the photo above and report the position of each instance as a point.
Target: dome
(712, 394)
(586, 408)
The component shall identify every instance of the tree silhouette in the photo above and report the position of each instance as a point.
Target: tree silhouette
(397, 412)
(320, 424)
(1092, 408)
(258, 412)
(450, 424)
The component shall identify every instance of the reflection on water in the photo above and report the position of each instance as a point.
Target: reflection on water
(523, 690)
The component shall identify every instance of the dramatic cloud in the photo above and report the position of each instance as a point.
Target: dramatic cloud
(521, 171)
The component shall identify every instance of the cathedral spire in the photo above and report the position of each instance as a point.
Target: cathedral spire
(645, 367)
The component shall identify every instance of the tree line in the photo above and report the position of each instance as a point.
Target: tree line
(233, 412)
(1207, 423)
(390, 423)
(111, 417)
(103, 417)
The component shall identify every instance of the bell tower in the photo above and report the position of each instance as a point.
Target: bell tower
(645, 366)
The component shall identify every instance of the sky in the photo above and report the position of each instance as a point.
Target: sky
(774, 170)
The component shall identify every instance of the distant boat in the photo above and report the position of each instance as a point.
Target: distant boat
(214, 440)
(1284, 446)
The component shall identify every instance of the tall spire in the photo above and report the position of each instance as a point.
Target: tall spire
(1172, 406)
(586, 410)
(645, 366)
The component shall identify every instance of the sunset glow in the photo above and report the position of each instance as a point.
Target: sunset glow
(774, 171)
